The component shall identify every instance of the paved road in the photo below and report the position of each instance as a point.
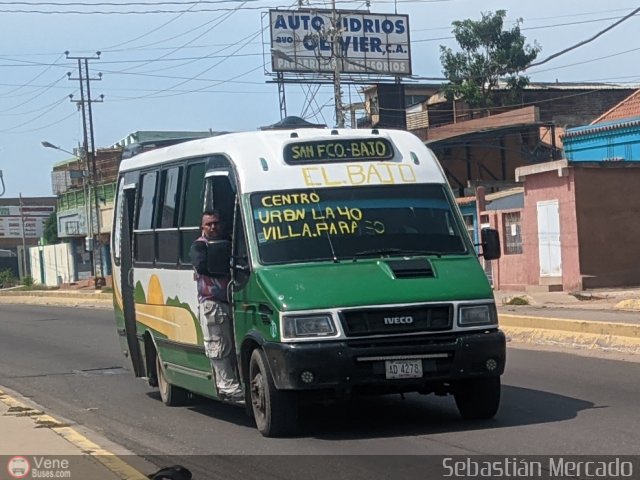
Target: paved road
(68, 360)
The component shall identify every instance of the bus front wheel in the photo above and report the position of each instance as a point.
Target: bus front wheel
(478, 398)
(275, 411)
(170, 395)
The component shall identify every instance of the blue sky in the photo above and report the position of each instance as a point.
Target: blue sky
(201, 67)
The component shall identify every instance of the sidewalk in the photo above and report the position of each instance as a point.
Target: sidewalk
(606, 320)
(35, 442)
(604, 299)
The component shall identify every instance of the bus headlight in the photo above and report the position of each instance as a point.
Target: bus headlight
(308, 326)
(477, 315)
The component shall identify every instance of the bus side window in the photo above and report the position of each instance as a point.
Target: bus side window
(167, 235)
(191, 214)
(144, 248)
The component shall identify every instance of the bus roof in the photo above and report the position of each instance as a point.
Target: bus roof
(259, 160)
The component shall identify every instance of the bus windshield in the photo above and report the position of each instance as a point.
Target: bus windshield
(350, 223)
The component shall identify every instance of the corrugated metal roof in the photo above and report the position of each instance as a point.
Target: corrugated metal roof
(602, 127)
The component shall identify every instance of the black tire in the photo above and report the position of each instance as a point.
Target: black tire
(275, 411)
(478, 398)
(170, 395)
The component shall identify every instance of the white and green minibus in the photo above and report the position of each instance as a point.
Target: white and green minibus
(352, 271)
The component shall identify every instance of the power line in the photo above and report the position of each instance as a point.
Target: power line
(153, 30)
(46, 69)
(132, 12)
(588, 40)
(220, 20)
(42, 91)
(31, 120)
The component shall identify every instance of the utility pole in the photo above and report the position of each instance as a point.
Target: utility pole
(25, 264)
(336, 55)
(281, 94)
(89, 154)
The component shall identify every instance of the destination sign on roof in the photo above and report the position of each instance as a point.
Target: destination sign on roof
(338, 150)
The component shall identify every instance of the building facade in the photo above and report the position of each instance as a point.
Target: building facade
(22, 222)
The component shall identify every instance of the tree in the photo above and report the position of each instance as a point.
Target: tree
(489, 55)
(50, 232)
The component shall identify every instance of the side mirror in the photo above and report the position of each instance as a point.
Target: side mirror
(490, 243)
(218, 257)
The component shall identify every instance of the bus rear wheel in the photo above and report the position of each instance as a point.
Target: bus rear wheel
(170, 395)
(478, 398)
(275, 411)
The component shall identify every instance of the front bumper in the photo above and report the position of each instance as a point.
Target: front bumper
(339, 365)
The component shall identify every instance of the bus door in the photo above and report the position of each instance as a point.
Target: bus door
(127, 280)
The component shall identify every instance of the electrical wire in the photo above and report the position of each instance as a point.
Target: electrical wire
(221, 19)
(30, 111)
(57, 122)
(153, 30)
(17, 89)
(37, 95)
(31, 120)
(588, 40)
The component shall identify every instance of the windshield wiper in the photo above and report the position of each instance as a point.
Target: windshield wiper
(393, 251)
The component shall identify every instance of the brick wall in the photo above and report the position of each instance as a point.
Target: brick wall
(571, 108)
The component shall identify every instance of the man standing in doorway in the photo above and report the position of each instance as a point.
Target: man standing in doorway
(214, 313)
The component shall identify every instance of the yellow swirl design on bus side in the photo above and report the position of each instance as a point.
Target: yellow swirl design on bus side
(174, 322)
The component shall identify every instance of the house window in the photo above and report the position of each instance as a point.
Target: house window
(468, 222)
(512, 233)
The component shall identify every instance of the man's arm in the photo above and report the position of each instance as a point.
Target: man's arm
(198, 255)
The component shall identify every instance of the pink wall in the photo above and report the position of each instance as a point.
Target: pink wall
(517, 271)
(607, 203)
(549, 186)
(509, 272)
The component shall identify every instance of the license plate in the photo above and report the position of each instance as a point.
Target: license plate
(403, 368)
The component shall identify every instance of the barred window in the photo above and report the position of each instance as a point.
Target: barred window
(512, 233)
(468, 222)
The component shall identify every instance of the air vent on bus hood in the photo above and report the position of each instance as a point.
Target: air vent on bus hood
(412, 268)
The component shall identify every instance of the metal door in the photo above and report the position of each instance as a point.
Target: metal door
(127, 282)
(549, 238)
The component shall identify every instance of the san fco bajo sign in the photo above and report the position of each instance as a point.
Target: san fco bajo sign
(367, 43)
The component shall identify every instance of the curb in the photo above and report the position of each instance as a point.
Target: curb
(85, 446)
(57, 294)
(623, 337)
(72, 302)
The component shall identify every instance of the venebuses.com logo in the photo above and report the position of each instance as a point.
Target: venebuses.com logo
(18, 467)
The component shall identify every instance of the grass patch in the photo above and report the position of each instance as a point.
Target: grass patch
(516, 301)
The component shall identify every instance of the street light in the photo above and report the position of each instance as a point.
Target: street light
(96, 267)
(46, 144)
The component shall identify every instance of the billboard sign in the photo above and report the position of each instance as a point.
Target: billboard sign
(376, 44)
(28, 220)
